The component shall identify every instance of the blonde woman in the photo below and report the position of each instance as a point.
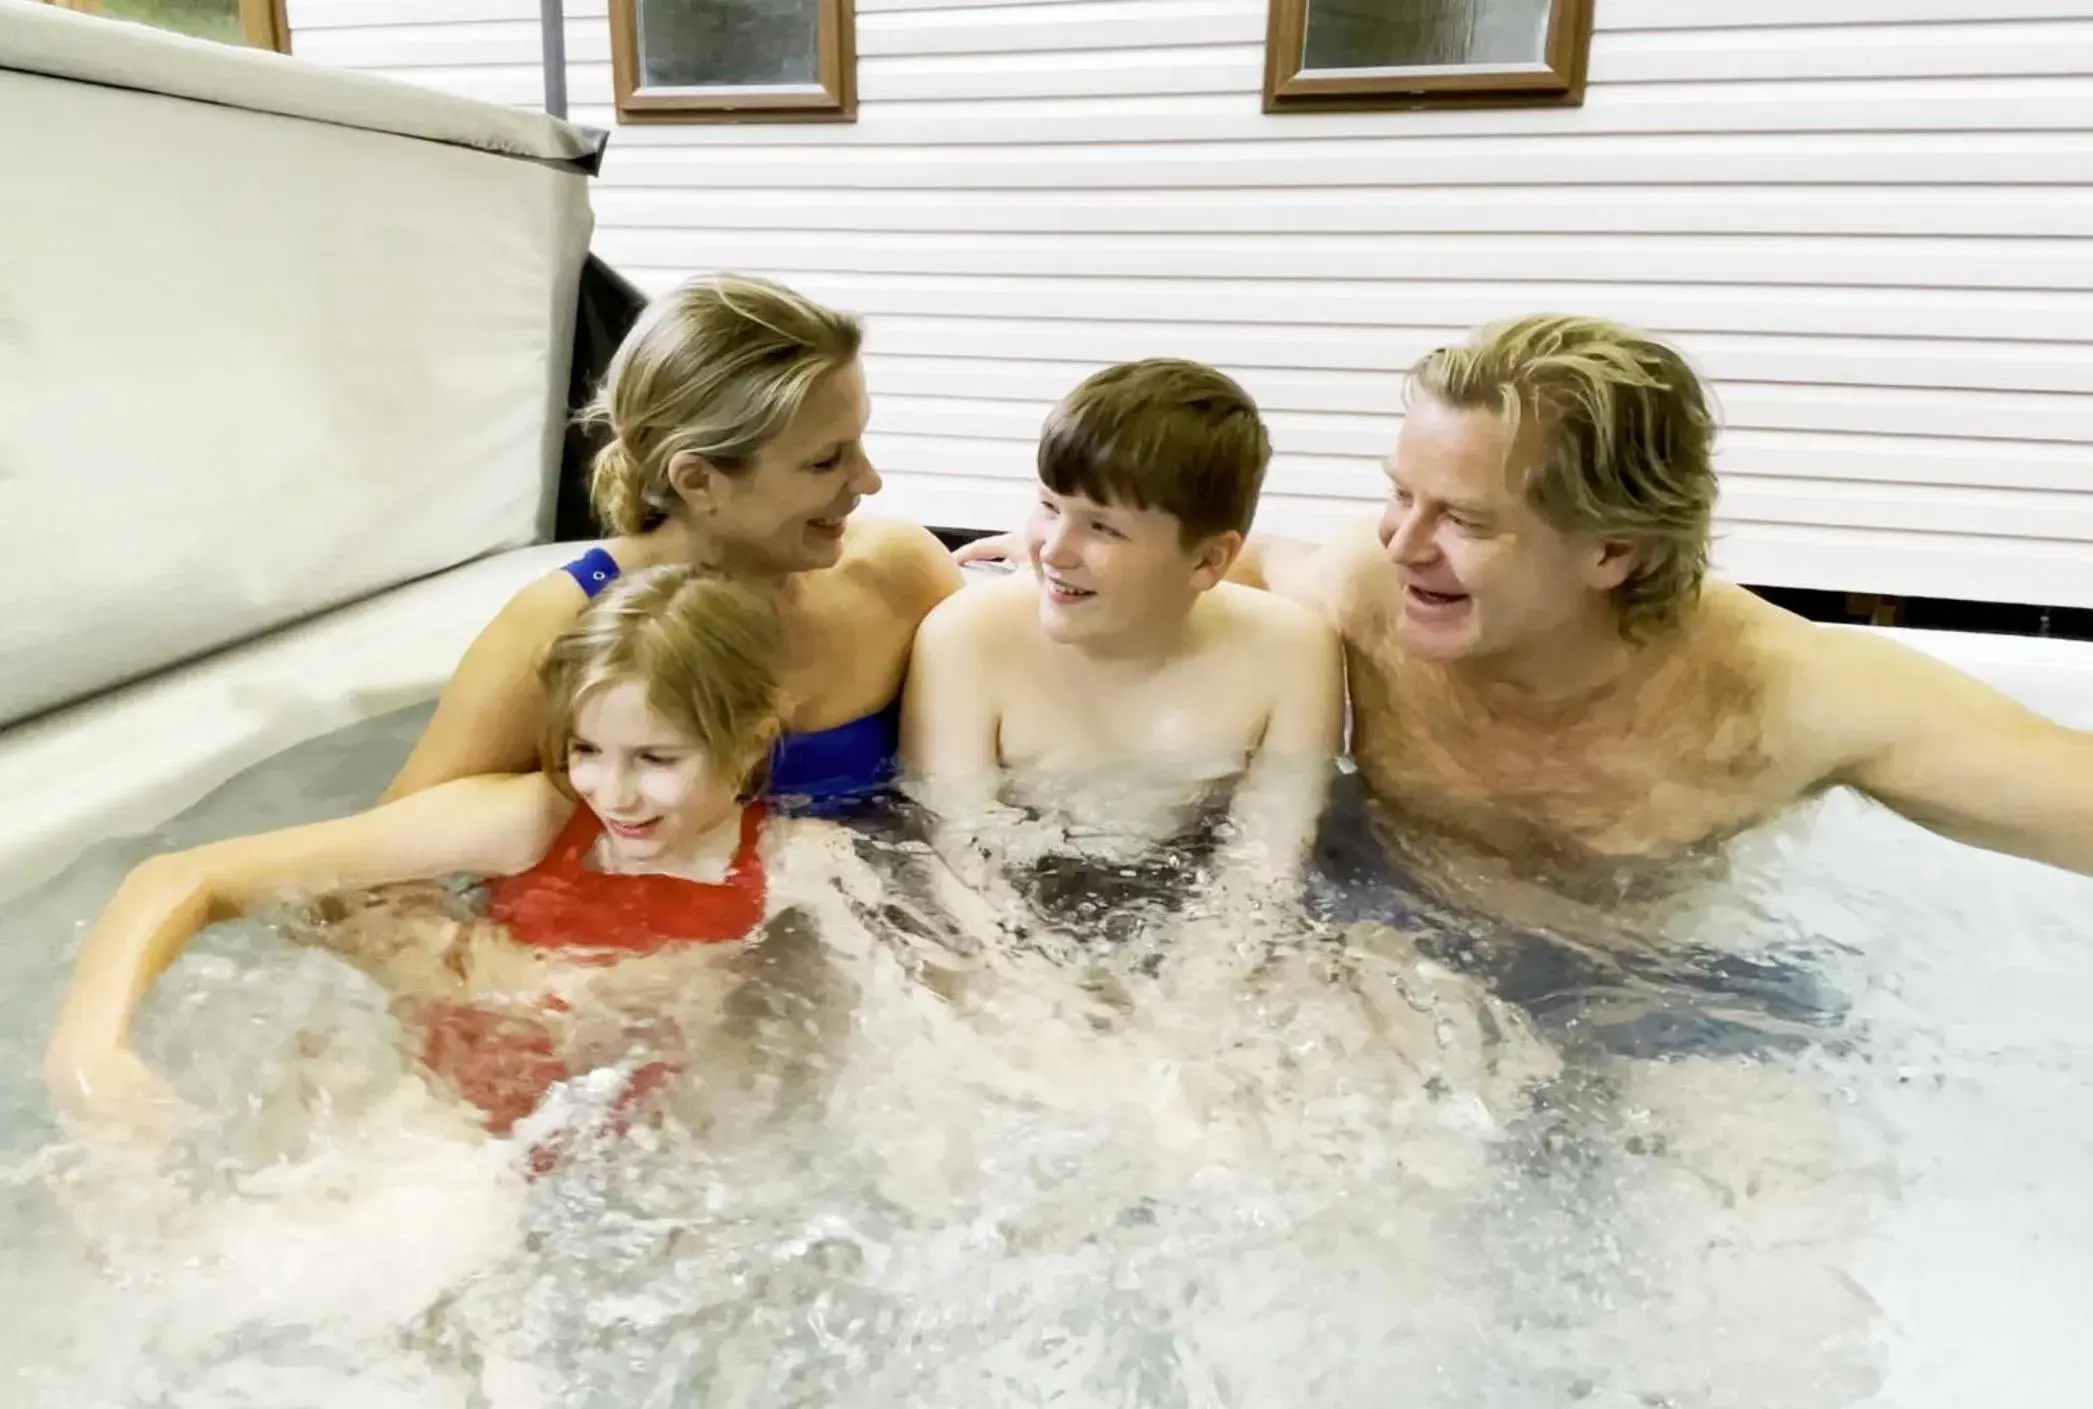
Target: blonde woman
(737, 410)
(635, 843)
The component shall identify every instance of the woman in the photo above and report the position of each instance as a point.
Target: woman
(737, 410)
(636, 840)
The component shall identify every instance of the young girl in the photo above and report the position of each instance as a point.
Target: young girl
(636, 842)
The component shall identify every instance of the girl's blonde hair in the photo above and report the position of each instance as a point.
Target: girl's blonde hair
(716, 366)
(705, 647)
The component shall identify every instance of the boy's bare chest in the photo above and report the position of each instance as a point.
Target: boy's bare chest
(1060, 721)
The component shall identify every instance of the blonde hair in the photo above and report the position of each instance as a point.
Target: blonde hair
(1162, 433)
(1628, 437)
(705, 647)
(717, 367)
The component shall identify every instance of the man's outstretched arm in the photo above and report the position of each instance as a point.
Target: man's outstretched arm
(1949, 752)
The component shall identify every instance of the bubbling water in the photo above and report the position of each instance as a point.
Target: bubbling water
(1212, 1161)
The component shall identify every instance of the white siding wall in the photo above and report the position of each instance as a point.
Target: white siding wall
(1868, 220)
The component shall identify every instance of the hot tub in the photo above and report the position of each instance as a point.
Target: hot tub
(1894, 1211)
(239, 585)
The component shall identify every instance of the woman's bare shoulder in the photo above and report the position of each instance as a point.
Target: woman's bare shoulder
(487, 718)
(904, 562)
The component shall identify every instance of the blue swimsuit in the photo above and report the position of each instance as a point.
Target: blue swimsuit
(824, 771)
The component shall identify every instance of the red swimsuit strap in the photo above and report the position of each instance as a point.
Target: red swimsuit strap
(569, 851)
(746, 857)
(563, 898)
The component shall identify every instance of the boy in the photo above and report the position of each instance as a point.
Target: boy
(1122, 689)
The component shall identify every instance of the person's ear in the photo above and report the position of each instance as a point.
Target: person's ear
(695, 480)
(1611, 563)
(1214, 558)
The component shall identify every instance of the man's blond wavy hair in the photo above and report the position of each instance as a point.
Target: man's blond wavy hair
(1627, 434)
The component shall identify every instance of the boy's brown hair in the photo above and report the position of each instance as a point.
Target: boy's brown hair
(1162, 433)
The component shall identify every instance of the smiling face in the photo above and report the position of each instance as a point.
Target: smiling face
(1111, 574)
(786, 512)
(657, 792)
(1481, 572)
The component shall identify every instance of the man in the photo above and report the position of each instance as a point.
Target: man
(1538, 664)
(1122, 688)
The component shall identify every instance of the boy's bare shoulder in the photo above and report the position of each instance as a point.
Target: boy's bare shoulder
(1268, 620)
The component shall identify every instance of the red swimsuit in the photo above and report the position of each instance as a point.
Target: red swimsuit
(504, 1061)
(564, 903)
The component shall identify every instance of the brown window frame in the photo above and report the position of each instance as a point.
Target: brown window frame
(266, 24)
(832, 98)
(1558, 81)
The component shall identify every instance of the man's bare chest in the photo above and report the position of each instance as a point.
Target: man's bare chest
(1630, 777)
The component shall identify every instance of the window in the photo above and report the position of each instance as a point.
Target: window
(1328, 55)
(257, 23)
(734, 60)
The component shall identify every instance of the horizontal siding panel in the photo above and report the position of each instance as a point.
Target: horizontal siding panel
(1368, 436)
(956, 453)
(2036, 105)
(1844, 51)
(2059, 46)
(1865, 222)
(1835, 558)
(1816, 14)
(1998, 417)
(1084, 29)
(1400, 259)
(1884, 462)
(1386, 351)
(1993, 513)
(1715, 161)
(1685, 210)
(1865, 410)
(1679, 309)
(1812, 556)
(1220, 72)
(1611, 16)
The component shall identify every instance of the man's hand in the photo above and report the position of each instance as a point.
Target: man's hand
(997, 548)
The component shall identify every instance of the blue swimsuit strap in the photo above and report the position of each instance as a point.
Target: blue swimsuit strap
(851, 760)
(830, 766)
(592, 571)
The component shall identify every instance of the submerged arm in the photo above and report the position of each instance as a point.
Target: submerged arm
(1281, 797)
(1955, 755)
(488, 825)
(949, 712)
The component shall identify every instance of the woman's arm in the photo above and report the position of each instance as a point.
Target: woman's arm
(488, 717)
(494, 825)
